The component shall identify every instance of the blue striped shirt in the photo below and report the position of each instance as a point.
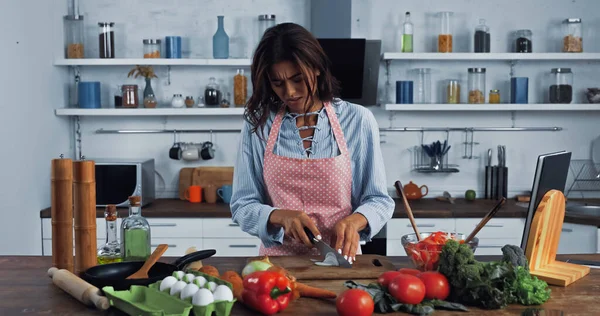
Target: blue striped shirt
(370, 198)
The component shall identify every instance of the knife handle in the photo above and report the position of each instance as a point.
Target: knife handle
(310, 235)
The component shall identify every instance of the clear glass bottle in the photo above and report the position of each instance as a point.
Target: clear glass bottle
(407, 34)
(135, 233)
(151, 48)
(453, 91)
(523, 41)
(130, 95)
(106, 40)
(212, 94)
(220, 41)
(422, 85)
(240, 88)
(265, 21)
(482, 38)
(74, 36)
(572, 36)
(476, 85)
(561, 86)
(110, 252)
(445, 36)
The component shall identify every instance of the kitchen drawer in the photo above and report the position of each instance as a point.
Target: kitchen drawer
(47, 246)
(495, 228)
(398, 227)
(233, 247)
(100, 228)
(222, 227)
(393, 247)
(177, 246)
(175, 227)
(576, 238)
(493, 246)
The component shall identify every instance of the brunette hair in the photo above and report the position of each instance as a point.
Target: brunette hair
(286, 42)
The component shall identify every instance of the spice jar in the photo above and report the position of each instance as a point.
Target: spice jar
(523, 41)
(212, 94)
(74, 36)
(240, 88)
(177, 101)
(476, 85)
(494, 97)
(265, 21)
(572, 40)
(189, 101)
(151, 48)
(561, 85)
(482, 38)
(150, 101)
(106, 40)
(453, 91)
(445, 36)
(130, 95)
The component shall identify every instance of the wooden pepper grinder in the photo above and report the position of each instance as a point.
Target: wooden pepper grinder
(84, 189)
(62, 213)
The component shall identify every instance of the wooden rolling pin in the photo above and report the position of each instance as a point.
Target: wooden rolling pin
(78, 288)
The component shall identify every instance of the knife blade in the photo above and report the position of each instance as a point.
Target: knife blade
(325, 249)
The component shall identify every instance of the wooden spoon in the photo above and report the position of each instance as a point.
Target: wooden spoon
(400, 190)
(142, 273)
(486, 219)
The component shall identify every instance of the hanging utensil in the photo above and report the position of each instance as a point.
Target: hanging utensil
(486, 219)
(411, 218)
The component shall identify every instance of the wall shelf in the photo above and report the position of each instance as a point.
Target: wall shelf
(490, 107)
(151, 112)
(153, 62)
(492, 56)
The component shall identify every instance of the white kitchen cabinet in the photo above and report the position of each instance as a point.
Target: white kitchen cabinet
(233, 247)
(577, 238)
(175, 227)
(177, 246)
(47, 245)
(493, 246)
(222, 228)
(496, 228)
(398, 227)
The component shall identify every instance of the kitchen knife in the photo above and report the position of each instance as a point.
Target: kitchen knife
(324, 249)
(488, 175)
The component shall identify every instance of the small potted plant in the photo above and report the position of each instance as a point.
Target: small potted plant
(148, 73)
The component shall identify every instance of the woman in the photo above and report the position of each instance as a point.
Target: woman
(306, 159)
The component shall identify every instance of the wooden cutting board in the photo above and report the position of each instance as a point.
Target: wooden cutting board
(365, 267)
(185, 180)
(217, 176)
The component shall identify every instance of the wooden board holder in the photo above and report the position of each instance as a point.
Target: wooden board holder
(543, 240)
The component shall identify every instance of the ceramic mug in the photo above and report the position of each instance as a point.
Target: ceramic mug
(210, 194)
(191, 153)
(194, 194)
(207, 152)
(175, 152)
(225, 193)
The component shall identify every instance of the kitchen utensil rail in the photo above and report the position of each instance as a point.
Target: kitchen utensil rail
(170, 131)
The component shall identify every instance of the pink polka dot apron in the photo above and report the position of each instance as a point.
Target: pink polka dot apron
(320, 187)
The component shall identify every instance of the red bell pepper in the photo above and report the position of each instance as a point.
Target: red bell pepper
(267, 292)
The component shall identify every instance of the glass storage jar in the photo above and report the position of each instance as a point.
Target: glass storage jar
(212, 94)
(130, 95)
(476, 85)
(151, 48)
(494, 97)
(240, 88)
(561, 85)
(453, 91)
(265, 21)
(106, 40)
(523, 41)
(572, 36)
(422, 85)
(445, 36)
(177, 101)
(482, 38)
(74, 36)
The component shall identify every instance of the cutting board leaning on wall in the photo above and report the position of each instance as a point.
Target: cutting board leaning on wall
(204, 176)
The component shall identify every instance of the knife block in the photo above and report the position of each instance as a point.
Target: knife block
(542, 244)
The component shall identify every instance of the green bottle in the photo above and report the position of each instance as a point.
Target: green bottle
(407, 35)
(135, 233)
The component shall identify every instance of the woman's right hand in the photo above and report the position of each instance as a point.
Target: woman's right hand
(293, 223)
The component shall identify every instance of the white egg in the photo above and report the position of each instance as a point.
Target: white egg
(223, 293)
(177, 287)
(189, 291)
(167, 283)
(211, 286)
(189, 278)
(200, 281)
(203, 297)
(178, 274)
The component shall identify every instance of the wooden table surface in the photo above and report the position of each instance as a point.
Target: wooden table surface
(25, 288)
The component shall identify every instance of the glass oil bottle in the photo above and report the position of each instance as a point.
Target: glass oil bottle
(135, 233)
(110, 251)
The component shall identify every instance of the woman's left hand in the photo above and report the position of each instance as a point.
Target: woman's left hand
(346, 230)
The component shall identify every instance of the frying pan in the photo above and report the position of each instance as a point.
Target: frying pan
(115, 274)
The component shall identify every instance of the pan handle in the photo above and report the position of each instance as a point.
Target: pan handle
(194, 256)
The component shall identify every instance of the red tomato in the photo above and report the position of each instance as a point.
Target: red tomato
(436, 285)
(407, 289)
(354, 302)
(385, 278)
(409, 271)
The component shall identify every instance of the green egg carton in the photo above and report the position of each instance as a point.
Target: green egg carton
(220, 308)
(141, 300)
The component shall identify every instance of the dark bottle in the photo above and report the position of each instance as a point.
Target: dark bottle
(212, 94)
(523, 42)
(106, 40)
(482, 38)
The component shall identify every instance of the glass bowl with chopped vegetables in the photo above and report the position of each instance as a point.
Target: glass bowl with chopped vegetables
(425, 254)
